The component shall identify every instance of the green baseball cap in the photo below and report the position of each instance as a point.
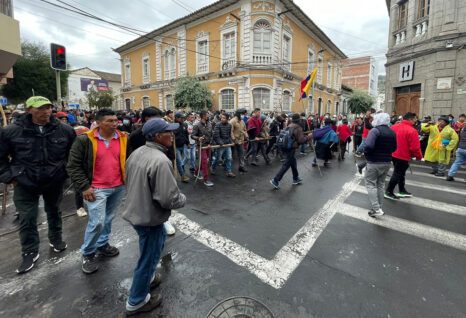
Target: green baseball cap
(37, 101)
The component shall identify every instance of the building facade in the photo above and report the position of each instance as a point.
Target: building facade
(250, 54)
(10, 43)
(426, 60)
(361, 73)
(80, 81)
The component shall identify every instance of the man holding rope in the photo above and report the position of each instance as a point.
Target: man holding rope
(222, 136)
(202, 133)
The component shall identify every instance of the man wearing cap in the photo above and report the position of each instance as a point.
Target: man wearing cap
(33, 154)
(97, 168)
(238, 136)
(442, 140)
(152, 194)
(202, 133)
(181, 142)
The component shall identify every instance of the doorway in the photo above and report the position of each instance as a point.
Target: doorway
(407, 99)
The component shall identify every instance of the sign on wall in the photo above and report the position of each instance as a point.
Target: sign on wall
(407, 71)
(444, 83)
(88, 84)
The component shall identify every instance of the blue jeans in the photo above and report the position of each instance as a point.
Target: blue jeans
(460, 159)
(361, 146)
(179, 159)
(219, 155)
(101, 214)
(289, 163)
(190, 154)
(151, 242)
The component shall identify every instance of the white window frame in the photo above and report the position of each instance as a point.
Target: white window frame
(145, 97)
(128, 99)
(261, 32)
(145, 75)
(311, 65)
(202, 68)
(166, 103)
(166, 64)
(335, 76)
(320, 61)
(287, 51)
(320, 105)
(329, 74)
(220, 93)
(287, 92)
(172, 65)
(127, 71)
(329, 107)
(231, 59)
(262, 107)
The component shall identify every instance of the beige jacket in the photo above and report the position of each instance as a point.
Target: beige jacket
(238, 130)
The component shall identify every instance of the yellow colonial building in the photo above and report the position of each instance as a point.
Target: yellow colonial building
(249, 53)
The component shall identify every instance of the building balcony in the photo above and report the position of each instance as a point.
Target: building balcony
(262, 59)
(286, 65)
(170, 74)
(202, 68)
(228, 64)
(400, 36)
(421, 27)
(10, 43)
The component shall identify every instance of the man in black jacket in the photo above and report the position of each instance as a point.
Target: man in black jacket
(222, 136)
(38, 145)
(181, 142)
(136, 139)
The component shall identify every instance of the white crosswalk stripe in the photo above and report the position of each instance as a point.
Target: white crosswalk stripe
(426, 203)
(423, 174)
(434, 187)
(426, 232)
(461, 171)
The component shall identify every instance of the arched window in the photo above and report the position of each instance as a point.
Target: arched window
(262, 38)
(261, 97)
(337, 108)
(166, 63)
(329, 106)
(172, 62)
(128, 104)
(227, 99)
(169, 101)
(286, 101)
(145, 102)
(320, 107)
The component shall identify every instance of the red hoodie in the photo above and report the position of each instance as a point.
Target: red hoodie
(407, 139)
(255, 122)
(344, 132)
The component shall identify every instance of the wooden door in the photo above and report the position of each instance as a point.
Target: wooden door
(402, 105)
(414, 103)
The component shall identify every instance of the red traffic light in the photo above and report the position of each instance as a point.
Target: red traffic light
(60, 50)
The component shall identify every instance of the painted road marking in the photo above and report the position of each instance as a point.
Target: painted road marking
(434, 187)
(426, 232)
(414, 165)
(426, 203)
(423, 174)
(273, 272)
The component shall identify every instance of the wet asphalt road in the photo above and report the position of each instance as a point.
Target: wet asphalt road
(354, 268)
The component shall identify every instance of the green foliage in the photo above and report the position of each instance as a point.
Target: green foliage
(100, 99)
(192, 94)
(33, 71)
(359, 102)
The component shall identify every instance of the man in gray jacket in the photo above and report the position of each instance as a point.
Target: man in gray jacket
(152, 194)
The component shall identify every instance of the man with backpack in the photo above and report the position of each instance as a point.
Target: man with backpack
(289, 140)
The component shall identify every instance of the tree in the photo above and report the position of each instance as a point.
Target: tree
(191, 93)
(32, 71)
(100, 99)
(359, 102)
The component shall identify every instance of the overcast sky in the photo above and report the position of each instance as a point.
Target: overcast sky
(358, 28)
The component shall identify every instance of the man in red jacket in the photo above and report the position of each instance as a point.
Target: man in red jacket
(408, 147)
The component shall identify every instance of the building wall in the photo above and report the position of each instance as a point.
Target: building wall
(244, 75)
(435, 45)
(361, 73)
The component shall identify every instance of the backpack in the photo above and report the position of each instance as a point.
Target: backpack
(285, 139)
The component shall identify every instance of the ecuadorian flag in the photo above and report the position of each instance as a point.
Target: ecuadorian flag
(306, 84)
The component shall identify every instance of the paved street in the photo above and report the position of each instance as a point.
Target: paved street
(303, 251)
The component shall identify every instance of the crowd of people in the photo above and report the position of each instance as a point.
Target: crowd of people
(109, 155)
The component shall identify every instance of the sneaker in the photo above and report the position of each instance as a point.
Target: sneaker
(450, 178)
(358, 154)
(373, 213)
(212, 171)
(327, 164)
(297, 181)
(169, 228)
(274, 183)
(390, 196)
(242, 169)
(58, 246)
(208, 183)
(433, 172)
(302, 153)
(154, 301)
(231, 175)
(314, 164)
(360, 167)
(89, 265)
(107, 251)
(184, 178)
(404, 194)
(156, 281)
(81, 212)
(439, 174)
(28, 262)
(253, 163)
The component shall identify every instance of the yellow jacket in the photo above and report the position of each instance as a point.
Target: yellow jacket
(440, 155)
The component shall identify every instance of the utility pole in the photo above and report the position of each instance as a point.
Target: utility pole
(57, 77)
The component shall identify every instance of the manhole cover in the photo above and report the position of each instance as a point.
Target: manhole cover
(240, 307)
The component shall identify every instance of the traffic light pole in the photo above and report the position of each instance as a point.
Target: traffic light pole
(57, 77)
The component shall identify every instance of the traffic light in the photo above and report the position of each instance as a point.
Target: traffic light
(57, 57)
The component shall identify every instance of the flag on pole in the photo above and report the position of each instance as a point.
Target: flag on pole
(306, 84)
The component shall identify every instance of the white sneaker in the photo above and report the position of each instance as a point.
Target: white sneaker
(373, 213)
(81, 212)
(169, 228)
